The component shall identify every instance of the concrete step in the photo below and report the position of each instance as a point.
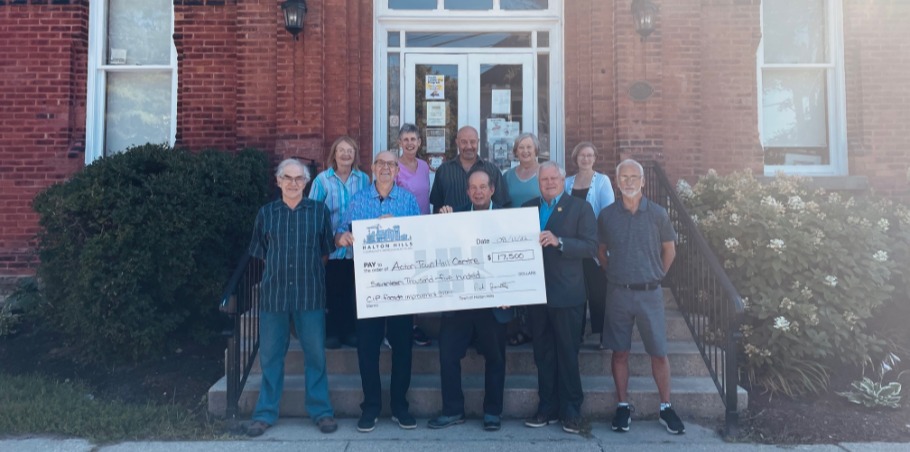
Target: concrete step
(676, 325)
(692, 396)
(684, 360)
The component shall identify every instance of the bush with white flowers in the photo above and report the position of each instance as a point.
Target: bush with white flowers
(813, 267)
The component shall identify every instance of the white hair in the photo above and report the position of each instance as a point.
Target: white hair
(551, 164)
(630, 162)
(287, 162)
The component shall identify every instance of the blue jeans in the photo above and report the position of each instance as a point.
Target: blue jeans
(274, 335)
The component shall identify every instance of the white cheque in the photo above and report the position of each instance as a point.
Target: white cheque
(448, 262)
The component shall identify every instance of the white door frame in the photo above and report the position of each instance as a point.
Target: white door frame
(469, 84)
(387, 21)
(529, 87)
(411, 60)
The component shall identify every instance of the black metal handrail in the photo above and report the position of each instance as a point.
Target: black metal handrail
(240, 303)
(706, 297)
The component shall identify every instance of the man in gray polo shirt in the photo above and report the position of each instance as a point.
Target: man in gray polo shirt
(641, 244)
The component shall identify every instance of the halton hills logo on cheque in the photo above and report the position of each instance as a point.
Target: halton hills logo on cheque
(390, 238)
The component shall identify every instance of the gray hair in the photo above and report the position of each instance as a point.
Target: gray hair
(287, 162)
(534, 141)
(408, 128)
(630, 162)
(552, 164)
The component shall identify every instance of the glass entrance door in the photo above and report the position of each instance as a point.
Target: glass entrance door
(504, 103)
(492, 92)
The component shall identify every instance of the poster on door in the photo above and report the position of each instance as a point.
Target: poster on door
(501, 135)
(436, 114)
(501, 102)
(436, 141)
(435, 87)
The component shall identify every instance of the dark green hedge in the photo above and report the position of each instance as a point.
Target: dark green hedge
(136, 249)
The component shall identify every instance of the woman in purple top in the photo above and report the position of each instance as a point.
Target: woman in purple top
(414, 176)
(414, 173)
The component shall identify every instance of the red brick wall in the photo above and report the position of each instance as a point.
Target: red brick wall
(700, 64)
(589, 75)
(877, 56)
(42, 114)
(244, 82)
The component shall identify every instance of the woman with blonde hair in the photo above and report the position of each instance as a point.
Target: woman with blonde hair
(335, 187)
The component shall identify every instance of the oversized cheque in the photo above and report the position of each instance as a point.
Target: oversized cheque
(448, 262)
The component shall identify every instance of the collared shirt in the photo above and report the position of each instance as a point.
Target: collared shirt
(546, 210)
(490, 207)
(367, 204)
(450, 187)
(635, 241)
(292, 243)
(328, 188)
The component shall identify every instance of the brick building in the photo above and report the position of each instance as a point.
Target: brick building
(814, 87)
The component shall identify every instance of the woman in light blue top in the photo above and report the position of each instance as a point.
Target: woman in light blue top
(335, 187)
(522, 179)
(523, 187)
(596, 189)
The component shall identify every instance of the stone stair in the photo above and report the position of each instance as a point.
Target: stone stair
(693, 392)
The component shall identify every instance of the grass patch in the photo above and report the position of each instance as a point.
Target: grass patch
(34, 404)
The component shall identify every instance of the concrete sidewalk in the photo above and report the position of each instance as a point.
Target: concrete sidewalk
(301, 435)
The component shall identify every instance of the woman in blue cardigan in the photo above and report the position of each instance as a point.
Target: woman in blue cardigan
(596, 189)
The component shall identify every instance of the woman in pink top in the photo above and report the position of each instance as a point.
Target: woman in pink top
(414, 174)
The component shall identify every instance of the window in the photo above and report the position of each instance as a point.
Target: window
(132, 79)
(801, 87)
(469, 5)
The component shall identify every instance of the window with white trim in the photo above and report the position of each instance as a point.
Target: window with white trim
(802, 123)
(132, 76)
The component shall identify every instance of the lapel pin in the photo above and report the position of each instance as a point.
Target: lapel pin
(559, 209)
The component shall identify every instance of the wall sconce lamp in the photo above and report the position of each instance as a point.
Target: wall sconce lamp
(645, 14)
(294, 13)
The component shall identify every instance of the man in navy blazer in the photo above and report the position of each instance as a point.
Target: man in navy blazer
(459, 327)
(569, 235)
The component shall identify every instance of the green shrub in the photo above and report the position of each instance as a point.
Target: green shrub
(813, 268)
(136, 248)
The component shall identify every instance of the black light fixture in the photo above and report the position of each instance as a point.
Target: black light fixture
(645, 14)
(294, 13)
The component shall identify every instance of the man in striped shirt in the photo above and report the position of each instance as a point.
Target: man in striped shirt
(293, 235)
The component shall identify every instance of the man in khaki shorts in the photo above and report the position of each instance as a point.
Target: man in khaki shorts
(641, 244)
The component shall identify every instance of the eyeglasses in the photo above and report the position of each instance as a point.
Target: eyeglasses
(299, 180)
(630, 178)
(386, 163)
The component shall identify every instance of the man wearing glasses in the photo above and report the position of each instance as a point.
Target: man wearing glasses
(382, 199)
(641, 245)
(293, 235)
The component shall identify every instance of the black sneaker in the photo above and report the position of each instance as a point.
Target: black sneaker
(491, 423)
(366, 423)
(420, 338)
(670, 420)
(405, 421)
(572, 425)
(540, 420)
(622, 419)
(444, 421)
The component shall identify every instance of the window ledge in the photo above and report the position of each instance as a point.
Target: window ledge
(833, 183)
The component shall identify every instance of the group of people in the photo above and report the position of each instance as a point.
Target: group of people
(609, 255)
